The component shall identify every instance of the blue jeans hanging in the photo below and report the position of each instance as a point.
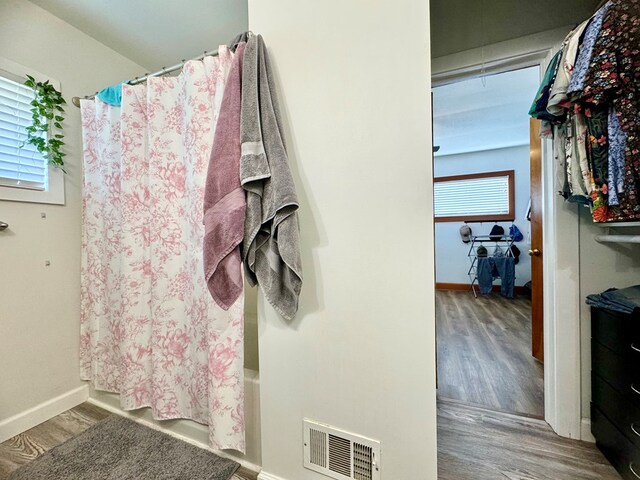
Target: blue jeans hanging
(496, 267)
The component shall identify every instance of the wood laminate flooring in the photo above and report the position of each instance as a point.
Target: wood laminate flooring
(473, 444)
(27, 446)
(479, 444)
(484, 353)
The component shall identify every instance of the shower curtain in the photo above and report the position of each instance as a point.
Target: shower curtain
(150, 330)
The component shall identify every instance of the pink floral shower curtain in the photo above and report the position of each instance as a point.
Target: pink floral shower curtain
(149, 328)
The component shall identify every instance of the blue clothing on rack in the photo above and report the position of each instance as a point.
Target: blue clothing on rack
(501, 267)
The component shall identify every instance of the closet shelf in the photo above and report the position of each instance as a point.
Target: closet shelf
(618, 224)
(614, 235)
(618, 238)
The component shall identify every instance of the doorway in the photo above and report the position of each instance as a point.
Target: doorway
(488, 223)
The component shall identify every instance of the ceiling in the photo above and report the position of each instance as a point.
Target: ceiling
(154, 33)
(159, 33)
(484, 114)
(459, 25)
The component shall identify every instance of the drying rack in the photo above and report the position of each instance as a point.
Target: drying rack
(505, 243)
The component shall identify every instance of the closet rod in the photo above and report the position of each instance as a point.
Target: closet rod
(618, 238)
(162, 71)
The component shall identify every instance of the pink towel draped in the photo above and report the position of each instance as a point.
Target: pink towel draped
(224, 198)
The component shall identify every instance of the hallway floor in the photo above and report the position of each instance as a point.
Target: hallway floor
(479, 444)
(484, 353)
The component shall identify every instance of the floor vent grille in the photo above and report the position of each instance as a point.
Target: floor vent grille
(339, 454)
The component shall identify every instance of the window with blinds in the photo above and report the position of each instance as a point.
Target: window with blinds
(475, 197)
(21, 165)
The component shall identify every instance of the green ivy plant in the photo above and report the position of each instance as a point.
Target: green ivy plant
(46, 114)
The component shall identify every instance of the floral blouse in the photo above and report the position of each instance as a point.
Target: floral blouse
(613, 78)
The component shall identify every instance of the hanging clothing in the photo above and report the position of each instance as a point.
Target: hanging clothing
(597, 121)
(271, 248)
(558, 99)
(149, 328)
(581, 151)
(600, 163)
(576, 154)
(490, 268)
(224, 198)
(591, 33)
(612, 79)
(561, 181)
(539, 107)
(617, 145)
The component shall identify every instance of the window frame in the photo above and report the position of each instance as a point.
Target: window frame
(54, 193)
(506, 217)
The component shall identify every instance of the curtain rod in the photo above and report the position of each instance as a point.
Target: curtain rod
(162, 71)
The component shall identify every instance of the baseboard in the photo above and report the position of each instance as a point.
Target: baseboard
(23, 421)
(136, 418)
(585, 431)
(467, 287)
(268, 476)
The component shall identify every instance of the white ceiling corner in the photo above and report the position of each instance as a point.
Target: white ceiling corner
(154, 33)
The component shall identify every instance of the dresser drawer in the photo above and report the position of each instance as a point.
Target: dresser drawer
(617, 407)
(617, 331)
(621, 373)
(622, 454)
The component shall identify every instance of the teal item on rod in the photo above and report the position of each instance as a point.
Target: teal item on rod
(111, 95)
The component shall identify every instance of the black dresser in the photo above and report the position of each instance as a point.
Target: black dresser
(615, 376)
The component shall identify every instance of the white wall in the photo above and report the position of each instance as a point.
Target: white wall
(354, 85)
(452, 262)
(39, 306)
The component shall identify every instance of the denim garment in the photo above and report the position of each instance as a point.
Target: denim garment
(494, 267)
(624, 300)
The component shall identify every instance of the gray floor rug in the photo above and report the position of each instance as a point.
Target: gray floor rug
(119, 449)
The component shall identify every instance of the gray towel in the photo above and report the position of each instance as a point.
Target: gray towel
(271, 246)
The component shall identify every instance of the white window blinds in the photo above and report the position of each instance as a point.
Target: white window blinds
(21, 165)
(472, 197)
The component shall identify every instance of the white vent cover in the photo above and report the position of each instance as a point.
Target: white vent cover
(339, 454)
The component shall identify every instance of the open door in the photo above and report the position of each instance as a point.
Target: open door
(537, 315)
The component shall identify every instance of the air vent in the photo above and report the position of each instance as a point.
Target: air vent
(339, 454)
(362, 462)
(318, 448)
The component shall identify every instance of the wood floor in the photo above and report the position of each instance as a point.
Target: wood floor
(473, 444)
(479, 444)
(29, 445)
(484, 353)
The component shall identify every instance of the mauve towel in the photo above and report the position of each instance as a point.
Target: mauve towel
(271, 246)
(224, 198)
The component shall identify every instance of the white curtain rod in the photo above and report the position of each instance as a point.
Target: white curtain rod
(162, 71)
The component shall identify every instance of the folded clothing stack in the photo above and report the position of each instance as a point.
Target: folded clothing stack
(624, 300)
